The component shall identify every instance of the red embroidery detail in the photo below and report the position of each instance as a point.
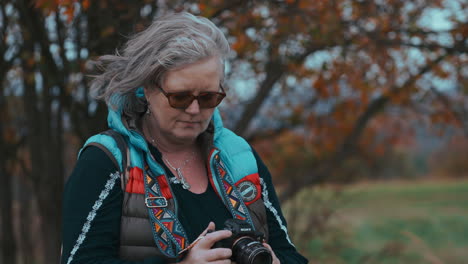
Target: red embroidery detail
(180, 239)
(135, 182)
(210, 174)
(169, 225)
(162, 245)
(240, 217)
(165, 191)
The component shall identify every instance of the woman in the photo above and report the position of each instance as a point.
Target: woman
(159, 186)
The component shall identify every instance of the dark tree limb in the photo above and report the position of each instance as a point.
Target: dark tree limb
(274, 71)
(348, 146)
(228, 6)
(460, 114)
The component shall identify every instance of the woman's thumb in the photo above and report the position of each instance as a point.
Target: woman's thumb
(211, 227)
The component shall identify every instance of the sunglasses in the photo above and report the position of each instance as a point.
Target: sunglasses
(182, 100)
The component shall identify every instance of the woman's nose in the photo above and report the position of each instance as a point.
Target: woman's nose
(193, 108)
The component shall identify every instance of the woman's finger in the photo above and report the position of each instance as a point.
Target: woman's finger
(268, 246)
(211, 238)
(226, 261)
(211, 227)
(219, 254)
(273, 255)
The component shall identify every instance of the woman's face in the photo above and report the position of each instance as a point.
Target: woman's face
(183, 125)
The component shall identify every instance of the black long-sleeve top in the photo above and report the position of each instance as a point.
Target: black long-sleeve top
(101, 243)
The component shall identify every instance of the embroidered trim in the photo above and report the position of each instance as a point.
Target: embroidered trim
(87, 225)
(270, 207)
(234, 199)
(168, 232)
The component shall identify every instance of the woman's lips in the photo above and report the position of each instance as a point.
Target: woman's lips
(190, 123)
(194, 122)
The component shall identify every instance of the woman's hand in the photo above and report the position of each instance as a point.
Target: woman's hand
(275, 259)
(202, 252)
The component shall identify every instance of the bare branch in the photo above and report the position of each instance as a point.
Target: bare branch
(6, 64)
(37, 30)
(274, 71)
(379, 104)
(230, 5)
(457, 48)
(61, 41)
(5, 24)
(316, 175)
(285, 126)
(460, 114)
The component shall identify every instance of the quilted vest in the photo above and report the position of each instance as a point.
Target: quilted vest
(230, 158)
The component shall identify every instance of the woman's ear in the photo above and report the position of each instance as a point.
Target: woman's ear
(140, 92)
(148, 92)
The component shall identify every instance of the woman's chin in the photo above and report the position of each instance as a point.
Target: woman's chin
(187, 136)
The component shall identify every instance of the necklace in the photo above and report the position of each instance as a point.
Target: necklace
(179, 179)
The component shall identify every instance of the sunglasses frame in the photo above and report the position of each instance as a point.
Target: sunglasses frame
(194, 97)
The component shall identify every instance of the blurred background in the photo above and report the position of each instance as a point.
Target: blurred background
(359, 109)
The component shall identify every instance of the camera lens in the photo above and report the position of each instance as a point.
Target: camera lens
(262, 258)
(249, 251)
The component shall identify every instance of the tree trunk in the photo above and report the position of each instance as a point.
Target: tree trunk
(27, 221)
(8, 151)
(274, 72)
(44, 135)
(8, 241)
(51, 210)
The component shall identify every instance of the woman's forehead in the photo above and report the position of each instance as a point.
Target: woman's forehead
(204, 74)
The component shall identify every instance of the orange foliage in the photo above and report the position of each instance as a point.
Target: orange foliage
(85, 4)
(366, 45)
(67, 6)
(321, 87)
(240, 43)
(287, 154)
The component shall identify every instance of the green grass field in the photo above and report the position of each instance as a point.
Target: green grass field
(395, 222)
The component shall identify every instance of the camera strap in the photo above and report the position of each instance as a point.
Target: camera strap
(222, 181)
(168, 232)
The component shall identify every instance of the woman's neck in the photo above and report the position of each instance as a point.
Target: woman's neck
(166, 145)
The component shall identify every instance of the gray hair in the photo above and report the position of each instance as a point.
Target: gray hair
(170, 42)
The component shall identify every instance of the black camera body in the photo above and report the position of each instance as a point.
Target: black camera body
(245, 243)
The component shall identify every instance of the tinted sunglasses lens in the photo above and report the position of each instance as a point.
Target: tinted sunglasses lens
(210, 100)
(182, 100)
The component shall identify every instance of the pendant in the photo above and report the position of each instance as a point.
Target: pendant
(185, 184)
(174, 180)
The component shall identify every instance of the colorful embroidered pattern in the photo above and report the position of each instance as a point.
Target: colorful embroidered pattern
(235, 202)
(169, 234)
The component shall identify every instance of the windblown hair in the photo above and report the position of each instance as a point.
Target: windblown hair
(170, 42)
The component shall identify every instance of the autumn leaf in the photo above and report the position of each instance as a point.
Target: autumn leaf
(320, 86)
(240, 43)
(85, 4)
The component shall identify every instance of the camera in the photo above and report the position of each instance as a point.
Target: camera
(245, 243)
